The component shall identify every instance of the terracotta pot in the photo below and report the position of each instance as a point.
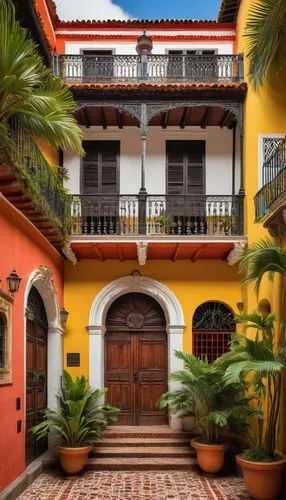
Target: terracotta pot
(263, 480)
(73, 460)
(210, 456)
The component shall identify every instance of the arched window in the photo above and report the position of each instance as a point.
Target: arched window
(213, 325)
(3, 340)
(35, 308)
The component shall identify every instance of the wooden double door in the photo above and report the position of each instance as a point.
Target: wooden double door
(136, 375)
(136, 359)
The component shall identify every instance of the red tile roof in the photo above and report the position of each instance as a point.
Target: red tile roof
(236, 86)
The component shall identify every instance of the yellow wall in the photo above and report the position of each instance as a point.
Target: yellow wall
(192, 283)
(265, 113)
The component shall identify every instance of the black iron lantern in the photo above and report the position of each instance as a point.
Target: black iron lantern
(13, 281)
(144, 45)
(63, 317)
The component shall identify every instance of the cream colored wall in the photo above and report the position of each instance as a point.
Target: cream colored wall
(218, 157)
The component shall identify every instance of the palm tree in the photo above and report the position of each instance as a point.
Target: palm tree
(266, 40)
(219, 408)
(40, 102)
(261, 362)
(263, 257)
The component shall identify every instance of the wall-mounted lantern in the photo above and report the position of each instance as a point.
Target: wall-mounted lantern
(63, 317)
(13, 281)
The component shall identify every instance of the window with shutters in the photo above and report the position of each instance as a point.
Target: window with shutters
(185, 167)
(100, 167)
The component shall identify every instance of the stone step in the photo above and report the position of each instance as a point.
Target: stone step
(144, 432)
(143, 452)
(139, 441)
(147, 463)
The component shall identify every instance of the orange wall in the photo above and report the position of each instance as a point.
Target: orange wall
(22, 248)
(47, 23)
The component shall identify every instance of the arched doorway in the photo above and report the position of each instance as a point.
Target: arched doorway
(136, 358)
(213, 326)
(36, 371)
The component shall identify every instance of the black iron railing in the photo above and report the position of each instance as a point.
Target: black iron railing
(274, 181)
(38, 177)
(157, 214)
(154, 68)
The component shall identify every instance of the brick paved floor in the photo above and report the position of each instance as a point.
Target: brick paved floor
(153, 485)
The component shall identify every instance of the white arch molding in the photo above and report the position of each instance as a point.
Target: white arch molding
(42, 279)
(97, 319)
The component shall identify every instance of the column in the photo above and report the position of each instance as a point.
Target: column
(175, 344)
(142, 197)
(96, 356)
(55, 363)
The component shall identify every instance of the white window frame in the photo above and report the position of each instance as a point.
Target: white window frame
(6, 303)
(261, 138)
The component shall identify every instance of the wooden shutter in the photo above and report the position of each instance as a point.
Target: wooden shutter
(185, 167)
(100, 167)
(195, 167)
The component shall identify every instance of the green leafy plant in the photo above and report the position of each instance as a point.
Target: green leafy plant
(220, 409)
(266, 38)
(260, 361)
(81, 417)
(41, 102)
(165, 221)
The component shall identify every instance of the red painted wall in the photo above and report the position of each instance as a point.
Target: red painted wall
(47, 23)
(21, 247)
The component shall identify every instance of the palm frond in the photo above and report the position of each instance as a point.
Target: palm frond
(260, 258)
(266, 40)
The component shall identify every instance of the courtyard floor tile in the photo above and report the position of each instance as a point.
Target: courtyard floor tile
(152, 485)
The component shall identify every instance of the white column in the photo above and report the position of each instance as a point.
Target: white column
(96, 356)
(175, 344)
(55, 363)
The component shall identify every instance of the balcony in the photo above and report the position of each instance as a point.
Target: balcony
(29, 183)
(273, 191)
(149, 68)
(157, 215)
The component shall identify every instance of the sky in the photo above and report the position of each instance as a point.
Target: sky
(137, 9)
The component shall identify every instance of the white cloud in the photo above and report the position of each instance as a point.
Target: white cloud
(89, 9)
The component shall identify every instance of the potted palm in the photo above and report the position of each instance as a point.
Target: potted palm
(78, 422)
(260, 361)
(220, 410)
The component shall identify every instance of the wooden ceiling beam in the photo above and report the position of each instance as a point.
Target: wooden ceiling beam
(206, 117)
(185, 117)
(103, 118)
(198, 252)
(165, 119)
(86, 117)
(175, 254)
(229, 122)
(224, 118)
(119, 119)
(120, 253)
(98, 253)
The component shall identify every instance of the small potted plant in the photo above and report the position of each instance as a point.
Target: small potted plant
(220, 411)
(77, 424)
(165, 222)
(261, 361)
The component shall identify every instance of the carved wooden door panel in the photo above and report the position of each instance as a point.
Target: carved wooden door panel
(119, 374)
(150, 376)
(36, 383)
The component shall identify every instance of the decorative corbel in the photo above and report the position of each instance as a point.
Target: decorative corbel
(142, 248)
(236, 253)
